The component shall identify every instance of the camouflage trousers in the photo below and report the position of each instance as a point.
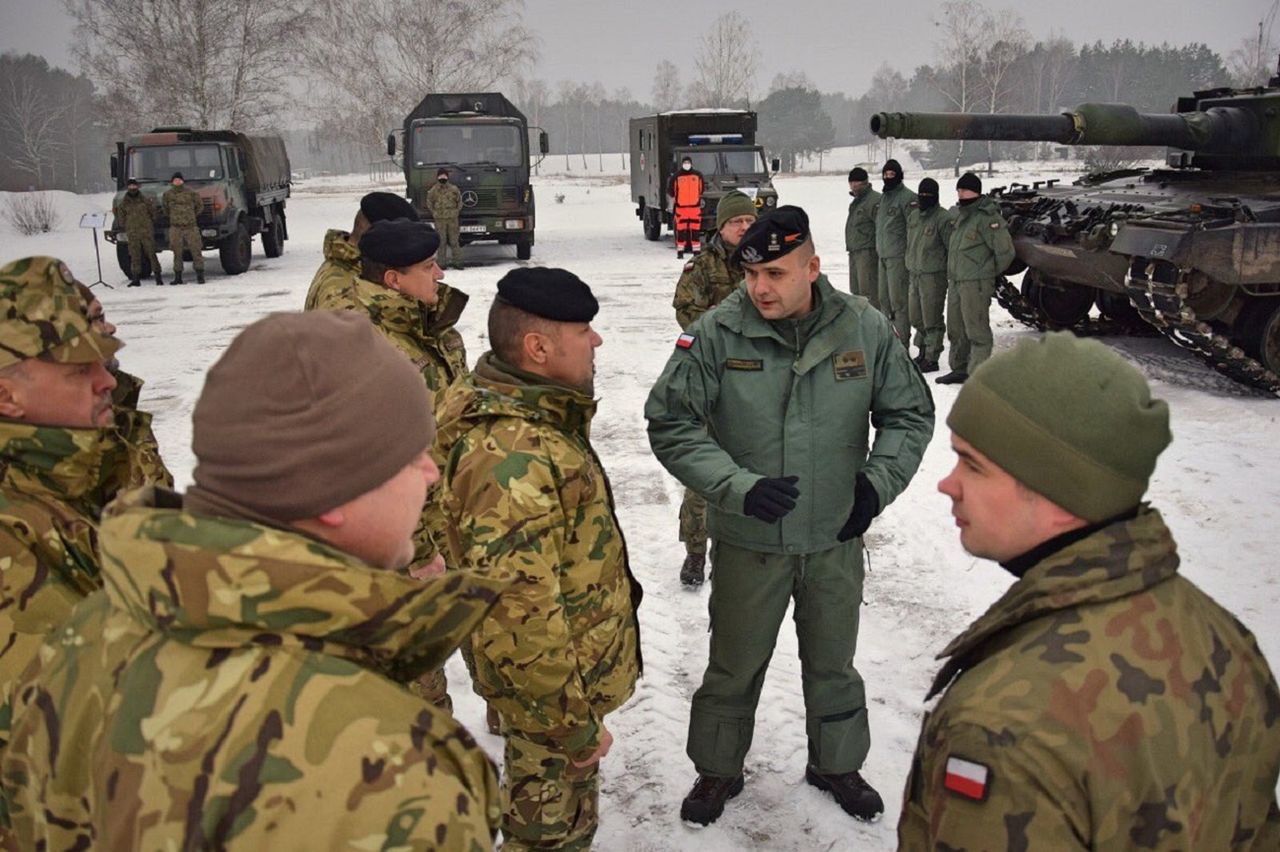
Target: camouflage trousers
(693, 522)
(894, 296)
(450, 245)
(864, 275)
(186, 239)
(547, 802)
(928, 301)
(969, 323)
(142, 247)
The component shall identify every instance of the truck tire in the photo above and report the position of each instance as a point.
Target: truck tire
(236, 251)
(122, 257)
(652, 224)
(273, 237)
(524, 249)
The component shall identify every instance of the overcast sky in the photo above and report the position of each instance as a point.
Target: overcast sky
(838, 43)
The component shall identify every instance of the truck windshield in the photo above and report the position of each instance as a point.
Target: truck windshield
(707, 162)
(159, 162)
(743, 162)
(498, 144)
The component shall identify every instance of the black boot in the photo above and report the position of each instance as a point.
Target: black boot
(159, 280)
(705, 801)
(927, 366)
(955, 377)
(134, 282)
(693, 570)
(199, 276)
(177, 279)
(855, 796)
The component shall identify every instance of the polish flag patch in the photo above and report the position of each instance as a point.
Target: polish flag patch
(968, 779)
(685, 341)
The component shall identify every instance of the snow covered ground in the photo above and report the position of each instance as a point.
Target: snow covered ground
(1218, 486)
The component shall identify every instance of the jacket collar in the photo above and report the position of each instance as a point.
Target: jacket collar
(743, 318)
(500, 389)
(59, 462)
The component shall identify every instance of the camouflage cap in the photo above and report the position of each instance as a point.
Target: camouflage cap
(42, 315)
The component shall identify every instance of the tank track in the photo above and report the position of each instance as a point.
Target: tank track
(1024, 312)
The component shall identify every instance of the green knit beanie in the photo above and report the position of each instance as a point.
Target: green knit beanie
(734, 203)
(1068, 418)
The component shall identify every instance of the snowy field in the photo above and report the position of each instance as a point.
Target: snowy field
(1218, 486)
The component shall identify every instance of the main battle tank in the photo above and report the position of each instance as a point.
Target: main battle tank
(1191, 250)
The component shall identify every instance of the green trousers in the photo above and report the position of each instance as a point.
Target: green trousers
(186, 239)
(750, 592)
(969, 323)
(894, 295)
(142, 246)
(693, 522)
(450, 252)
(928, 303)
(864, 275)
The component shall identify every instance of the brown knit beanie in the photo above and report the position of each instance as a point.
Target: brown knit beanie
(304, 412)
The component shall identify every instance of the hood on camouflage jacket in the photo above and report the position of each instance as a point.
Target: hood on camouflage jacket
(233, 685)
(1110, 704)
(142, 462)
(340, 269)
(527, 497)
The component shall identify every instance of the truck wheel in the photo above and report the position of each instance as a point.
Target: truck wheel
(273, 237)
(1260, 329)
(122, 257)
(652, 224)
(236, 251)
(524, 249)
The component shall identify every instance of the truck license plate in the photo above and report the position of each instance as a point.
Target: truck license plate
(473, 229)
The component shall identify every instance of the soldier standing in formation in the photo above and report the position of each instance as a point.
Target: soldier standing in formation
(1104, 702)
(444, 200)
(136, 215)
(706, 281)
(765, 408)
(978, 252)
(269, 593)
(341, 266)
(860, 238)
(182, 205)
(528, 499)
(891, 247)
(928, 228)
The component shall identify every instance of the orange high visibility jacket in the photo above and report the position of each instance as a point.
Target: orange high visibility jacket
(686, 188)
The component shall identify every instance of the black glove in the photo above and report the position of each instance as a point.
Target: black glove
(771, 500)
(866, 505)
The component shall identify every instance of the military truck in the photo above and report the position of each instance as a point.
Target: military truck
(482, 139)
(721, 144)
(242, 180)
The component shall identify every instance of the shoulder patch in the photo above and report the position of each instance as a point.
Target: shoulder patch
(967, 779)
(685, 340)
(994, 225)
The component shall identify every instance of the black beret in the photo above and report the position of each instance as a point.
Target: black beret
(857, 173)
(380, 206)
(399, 242)
(969, 180)
(176, 176)
(894, 166)
(554, 294)
(442, 171)
(779, 233)
(928, 186)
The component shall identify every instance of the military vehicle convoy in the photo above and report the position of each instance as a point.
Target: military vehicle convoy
(721, 144)
(242, 180)
(483, 141)
(1192, 249)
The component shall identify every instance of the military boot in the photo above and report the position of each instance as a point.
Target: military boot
(177, 279)
(199, 276)
(927, 366)
(855, 796)
(955, 377)
(693, 570)
(134, 282)
(705, 801)
(159, 280)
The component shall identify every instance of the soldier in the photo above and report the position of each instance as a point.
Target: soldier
(341, 266)
(136, 216)
(444, 200)
(232, 687)
(685, 189)
(1103, 702)
(860, 238)
(891, 247)
(765, 409)
(928, 227)
(979, 250)
(527, 498)
(705, 282)
(181, 207)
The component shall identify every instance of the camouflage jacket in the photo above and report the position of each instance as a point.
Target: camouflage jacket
(136, 215)
(142, 462)
(706, 281)
(980, 247)
(860, 224)
(891, 221)
(182, 205)
(339, 271)
(444, 200)
(927, 235)
(527, 497)
(232, 687)
(1103, 703)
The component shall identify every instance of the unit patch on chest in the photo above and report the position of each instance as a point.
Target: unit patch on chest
(752, 364)
(850, 365)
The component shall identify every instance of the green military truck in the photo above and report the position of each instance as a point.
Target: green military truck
(721, 143)
(483, 141)
(242, 180)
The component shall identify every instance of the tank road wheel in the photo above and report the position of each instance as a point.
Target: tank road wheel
(236, 251)
(652, 224)
(122, 257)
(1117, 308)
(1260, 331)
(1063, 307)
(273, 237)
(524, 248)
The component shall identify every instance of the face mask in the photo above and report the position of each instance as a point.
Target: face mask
(443, 179)
(133, 191)
(890, 183)
(687, 166)
(928, 201)
(965, 202)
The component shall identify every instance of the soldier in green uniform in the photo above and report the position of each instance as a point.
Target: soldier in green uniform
(136, 216)
(860, 238)
(341, 266)
(444, 200)
(705, 282)
(978, 252)
(528, 499)
(891, 247)
(928, 228)
(182, 205)
(1103, 702)
(235, 686)
(766, 408)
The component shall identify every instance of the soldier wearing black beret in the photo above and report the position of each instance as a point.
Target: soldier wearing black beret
(341, 264)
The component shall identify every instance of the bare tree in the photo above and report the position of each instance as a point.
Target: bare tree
(962, 29)
(1253, 62)
(888, 87)
(33, 124)
(666, 86)
(1009, 41)
(726, 62)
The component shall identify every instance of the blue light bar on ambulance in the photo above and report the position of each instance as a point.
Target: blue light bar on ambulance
(715, 138)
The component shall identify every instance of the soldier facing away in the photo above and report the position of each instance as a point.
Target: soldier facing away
(341, 265)
(860, 238)
(928, 229)
(444, 200)
(891, 248)
(527, 498)
(1103, 702)
(136, 215)
(182, 205)
(706, 281)
(236, 684)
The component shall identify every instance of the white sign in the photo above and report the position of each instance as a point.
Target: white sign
(472, 229)
(93, 220)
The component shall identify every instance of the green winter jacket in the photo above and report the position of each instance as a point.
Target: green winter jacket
(860, 225)
(136, 215)
(444, 200)
(744, 401)
(891, 221)
(980, 247)
(182, 205)
(927, 235)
